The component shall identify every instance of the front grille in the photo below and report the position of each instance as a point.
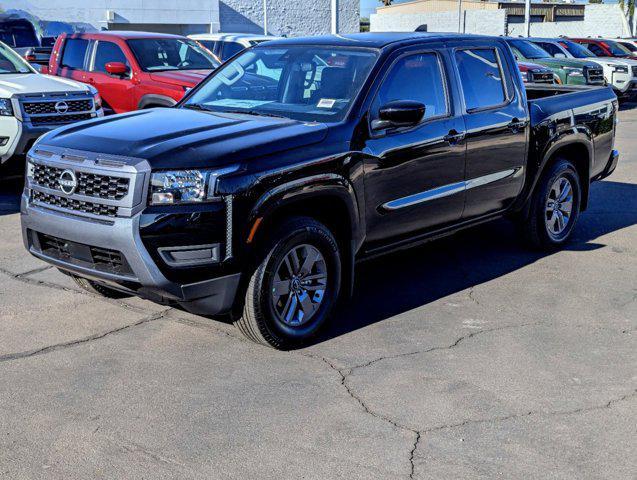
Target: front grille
(594, 76)
(96, 258)
(542, 77)
(39, 108)
(73, 204)
(60, 119)
(88, 184)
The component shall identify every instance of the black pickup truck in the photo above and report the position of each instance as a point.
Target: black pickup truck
(259, 192)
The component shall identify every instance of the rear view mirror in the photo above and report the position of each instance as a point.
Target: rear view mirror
(116, 68)
(399, 113)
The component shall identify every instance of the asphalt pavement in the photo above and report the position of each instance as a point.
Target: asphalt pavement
(470, 357)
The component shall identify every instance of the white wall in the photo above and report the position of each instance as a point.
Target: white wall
(486, 22)
(599, 20)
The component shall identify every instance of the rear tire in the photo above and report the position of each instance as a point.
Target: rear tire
(555, 207)
(97, 288)
(292, 291)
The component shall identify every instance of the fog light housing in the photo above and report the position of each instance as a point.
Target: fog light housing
(191, 255)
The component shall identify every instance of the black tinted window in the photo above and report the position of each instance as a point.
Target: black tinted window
(551, 48)
(74, 53)
(418, 78)
(481, 78)
(230, 49)
(107, 52)
(161, 54)
(596, 50)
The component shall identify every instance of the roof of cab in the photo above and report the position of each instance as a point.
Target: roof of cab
(371, 40)
(126, 35)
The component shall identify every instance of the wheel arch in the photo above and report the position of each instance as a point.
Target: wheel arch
(154, 100)
(328, 198)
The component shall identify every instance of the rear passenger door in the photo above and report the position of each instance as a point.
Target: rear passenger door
(74, 59)
(414, 175)
(117, 91)
(496, 118)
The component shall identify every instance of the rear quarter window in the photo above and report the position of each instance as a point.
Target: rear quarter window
(74, 53)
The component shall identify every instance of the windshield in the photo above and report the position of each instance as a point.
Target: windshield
(528, 50)
(160, 54)
(577, 50)
(300, 82)
(11, 62)
(628, 46)
(616, 49)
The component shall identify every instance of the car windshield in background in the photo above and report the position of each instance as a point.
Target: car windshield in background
(629, 46)
(528, 50)
(577, 50)
(159, 54)
(11, 62)
(616, 49)
(299, 82)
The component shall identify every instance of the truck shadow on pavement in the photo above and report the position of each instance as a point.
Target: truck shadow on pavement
(403, 281)
(10, 190)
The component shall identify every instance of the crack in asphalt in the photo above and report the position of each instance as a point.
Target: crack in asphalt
(25, 278)
(72, 343)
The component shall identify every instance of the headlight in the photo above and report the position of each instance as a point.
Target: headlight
(573, 72)
(96, 97)
(6, 109)
(620, 69)
(526, 76)
(185, 186)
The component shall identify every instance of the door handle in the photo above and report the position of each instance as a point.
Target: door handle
(453, 137)
(516, 125)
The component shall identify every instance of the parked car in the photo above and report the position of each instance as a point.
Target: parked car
(605, 48)
(260, 203)
(132, 70)
(534, 73)
(32, 104)
(629, 44)
(227, 45)
(568, 71)
(620, 73)
(21, 35)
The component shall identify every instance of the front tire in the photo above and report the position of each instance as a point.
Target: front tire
(97, 288)
(292, 291)
(555, 207)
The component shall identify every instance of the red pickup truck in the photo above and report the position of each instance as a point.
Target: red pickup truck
(132, 70)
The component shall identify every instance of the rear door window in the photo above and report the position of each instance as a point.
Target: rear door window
(107, 52)
(481, 78)
(74, 53)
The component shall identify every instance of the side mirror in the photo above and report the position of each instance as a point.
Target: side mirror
(559, 55)
(399, 113)
(117, 68)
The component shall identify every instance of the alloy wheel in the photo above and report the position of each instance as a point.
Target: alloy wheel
(559, 207)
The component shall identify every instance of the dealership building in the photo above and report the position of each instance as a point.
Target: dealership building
(301, 17)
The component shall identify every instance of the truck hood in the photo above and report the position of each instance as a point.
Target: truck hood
(182, 138)
(566, 62)
(186, 78)
(20, 83)
(625, 62)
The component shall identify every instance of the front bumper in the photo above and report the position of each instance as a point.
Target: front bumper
(208, 297)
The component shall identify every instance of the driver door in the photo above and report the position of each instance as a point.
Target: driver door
(414, 176)
(116, 91)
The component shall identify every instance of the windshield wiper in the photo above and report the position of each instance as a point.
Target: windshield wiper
(196, 106)
(254, 112)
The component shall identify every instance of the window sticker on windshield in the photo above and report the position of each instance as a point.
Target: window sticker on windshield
(238, 103)
(326, 103)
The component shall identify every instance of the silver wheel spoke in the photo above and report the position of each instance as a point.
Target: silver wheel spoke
(566, 206)
(560, 221)
(299, 284)
(565, 190)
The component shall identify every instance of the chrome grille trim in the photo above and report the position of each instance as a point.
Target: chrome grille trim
(39, 109)
(118, 188)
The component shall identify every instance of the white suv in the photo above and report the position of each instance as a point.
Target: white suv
(620, 73)
(32, 104)
(226, 45)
